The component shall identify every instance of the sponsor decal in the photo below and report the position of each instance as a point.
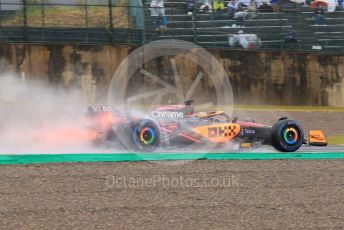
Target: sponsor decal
(100, 108)
(247, 132)
(167, 114)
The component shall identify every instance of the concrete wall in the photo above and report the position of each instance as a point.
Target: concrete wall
(257, 77)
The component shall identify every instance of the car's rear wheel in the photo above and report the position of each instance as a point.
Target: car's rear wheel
(146, 136)
(287, 135)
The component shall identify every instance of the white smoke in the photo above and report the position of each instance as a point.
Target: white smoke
(38, 118)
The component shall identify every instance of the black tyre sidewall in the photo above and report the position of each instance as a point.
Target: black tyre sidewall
(277, 136)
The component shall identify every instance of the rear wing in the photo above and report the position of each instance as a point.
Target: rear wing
(317, 138)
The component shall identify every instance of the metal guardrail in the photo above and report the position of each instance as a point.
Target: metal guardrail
(129, 22)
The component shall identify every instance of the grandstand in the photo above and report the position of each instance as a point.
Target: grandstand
(330, 36)
(132, 24)
(206, 31)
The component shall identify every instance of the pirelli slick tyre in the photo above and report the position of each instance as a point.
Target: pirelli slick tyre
(146, 136)
(287, 135)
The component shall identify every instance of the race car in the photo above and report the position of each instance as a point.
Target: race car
(180, 126)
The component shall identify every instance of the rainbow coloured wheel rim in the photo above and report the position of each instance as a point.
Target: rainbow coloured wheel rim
(147, 135)
(290, 135)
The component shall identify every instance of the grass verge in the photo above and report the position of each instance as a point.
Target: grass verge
(290, 108)
(335, 140)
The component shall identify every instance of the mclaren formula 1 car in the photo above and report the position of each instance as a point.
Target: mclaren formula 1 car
(180, 126)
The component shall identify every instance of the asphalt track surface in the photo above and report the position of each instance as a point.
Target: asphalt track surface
(321, 149)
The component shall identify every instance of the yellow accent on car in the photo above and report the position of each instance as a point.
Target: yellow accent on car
(245, 145)
(209, 114)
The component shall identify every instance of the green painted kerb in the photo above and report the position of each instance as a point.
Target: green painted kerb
(127, 157)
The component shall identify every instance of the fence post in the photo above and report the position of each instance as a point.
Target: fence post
(43, 13)
(144, 31)
(194, 26)
(86, 13)
(0, 11)
(24, 13)
(298, 26)
(110, 15)
(129, 22)
(25, 20)
(86, 19)
(280, 16)
(110, 20)
(43, 18)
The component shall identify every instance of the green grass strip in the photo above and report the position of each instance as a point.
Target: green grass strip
(335, 140)
(289, 108)
(129, 157)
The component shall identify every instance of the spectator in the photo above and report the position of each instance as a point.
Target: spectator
(319, 19)
(189, 7)
(241, 7)
(162, 23)
(218, 7)
(206, 7)
(158, 10)
(157, 7)
(319, 9)
(241, 14)
(265, 7)
(232, 8)
(260, 2)
(242, 41)
(245, 3)
(341, 4)
(274, 5)
(252, 9)
(319, 15)
(245, 41)
(290, 40)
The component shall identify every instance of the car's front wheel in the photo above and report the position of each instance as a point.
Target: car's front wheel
(287, 135)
